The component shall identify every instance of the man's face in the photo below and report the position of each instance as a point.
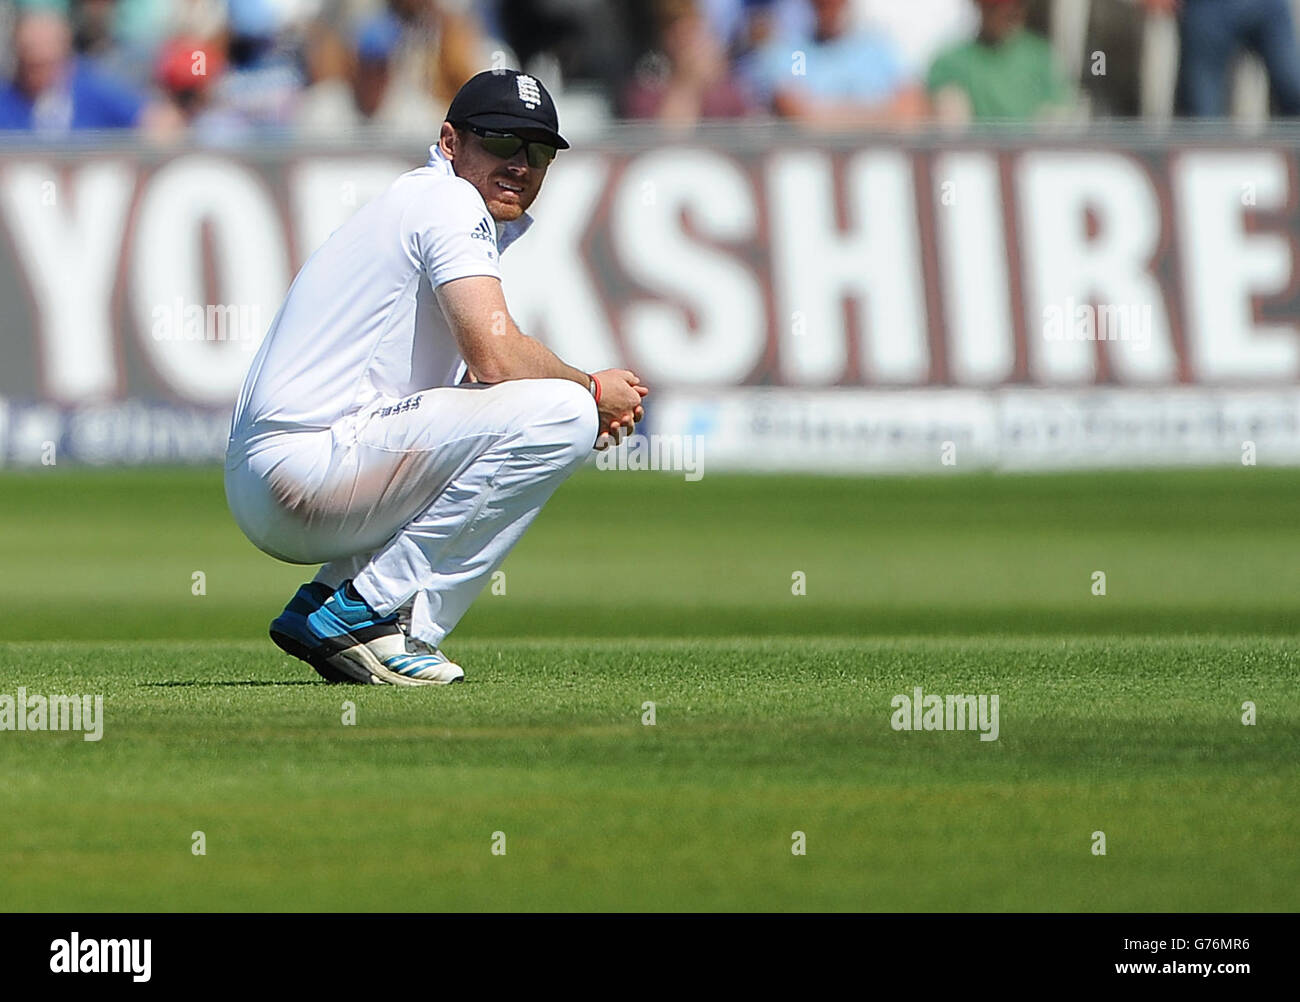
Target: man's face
(1000, 19)
(831, 17)
(42, 42)
(507, 186)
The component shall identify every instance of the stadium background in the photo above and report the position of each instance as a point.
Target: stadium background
(1066, 334)
(995, 287)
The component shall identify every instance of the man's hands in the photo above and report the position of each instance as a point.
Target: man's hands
(620, 405)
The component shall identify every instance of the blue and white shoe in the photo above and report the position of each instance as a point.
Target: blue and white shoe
(290, 633)
(344, 634)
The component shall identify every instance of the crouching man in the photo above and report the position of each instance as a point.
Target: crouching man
(395, 425)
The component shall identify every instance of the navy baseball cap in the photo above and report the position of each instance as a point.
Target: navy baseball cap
(508, 101)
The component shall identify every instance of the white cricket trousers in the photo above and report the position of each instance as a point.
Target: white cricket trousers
(416, 498)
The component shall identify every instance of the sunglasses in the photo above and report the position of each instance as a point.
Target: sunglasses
(505, 145)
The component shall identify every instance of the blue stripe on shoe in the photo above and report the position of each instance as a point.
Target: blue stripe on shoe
(406, 664)
(411, 665)
(301, 628)
(340, 616)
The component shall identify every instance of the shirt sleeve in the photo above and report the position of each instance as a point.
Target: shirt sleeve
(766, 69)
(942, 72)
(453, 235)
(889, 76)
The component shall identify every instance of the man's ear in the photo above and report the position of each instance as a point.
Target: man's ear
(448, 141)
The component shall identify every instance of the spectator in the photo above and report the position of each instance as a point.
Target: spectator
(122, 38)
(326, 104)
(260, 89)
(590, 42)
(836, 76)
(688, 77)
(439, 47)
(185, 71)
(1212, 33)
(1005, 72)
(92, 27)
(54, 92)
(759, 29)
(357, 88)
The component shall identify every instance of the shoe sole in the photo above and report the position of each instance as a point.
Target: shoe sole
(350, 658)
(346, 658)
(352, 666)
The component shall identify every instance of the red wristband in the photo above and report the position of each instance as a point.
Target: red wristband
(595, 387)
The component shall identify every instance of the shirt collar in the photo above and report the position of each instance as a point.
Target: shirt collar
(507, 233)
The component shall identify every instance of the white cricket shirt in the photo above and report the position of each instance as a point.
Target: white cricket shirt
(361, 320)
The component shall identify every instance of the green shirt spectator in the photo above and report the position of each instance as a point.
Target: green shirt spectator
(1007, 72)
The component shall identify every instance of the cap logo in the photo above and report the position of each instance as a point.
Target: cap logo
(528, 92)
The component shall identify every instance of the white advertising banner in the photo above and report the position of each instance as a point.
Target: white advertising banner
(938, 430)
(846, 305)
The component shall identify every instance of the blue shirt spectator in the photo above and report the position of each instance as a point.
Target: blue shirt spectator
(87, 100)
(54, 92)
(859, 66)
(834, 75)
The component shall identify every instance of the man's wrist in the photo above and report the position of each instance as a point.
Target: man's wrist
(594, 387)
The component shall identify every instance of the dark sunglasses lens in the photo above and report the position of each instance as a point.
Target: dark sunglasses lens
(539, 154)
(502, 146)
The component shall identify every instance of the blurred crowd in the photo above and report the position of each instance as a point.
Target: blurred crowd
(222, 71)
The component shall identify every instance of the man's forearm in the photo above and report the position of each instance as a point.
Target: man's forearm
(523, 357)
(494, 348)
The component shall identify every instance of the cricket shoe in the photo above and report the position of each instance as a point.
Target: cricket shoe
(345, 634)
(291, 634)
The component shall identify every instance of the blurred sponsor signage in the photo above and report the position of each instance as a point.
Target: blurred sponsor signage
(1053, 302)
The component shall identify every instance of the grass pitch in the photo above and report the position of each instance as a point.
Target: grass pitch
(1118, 713)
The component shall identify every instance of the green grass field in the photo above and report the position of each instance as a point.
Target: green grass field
(1118, 713)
